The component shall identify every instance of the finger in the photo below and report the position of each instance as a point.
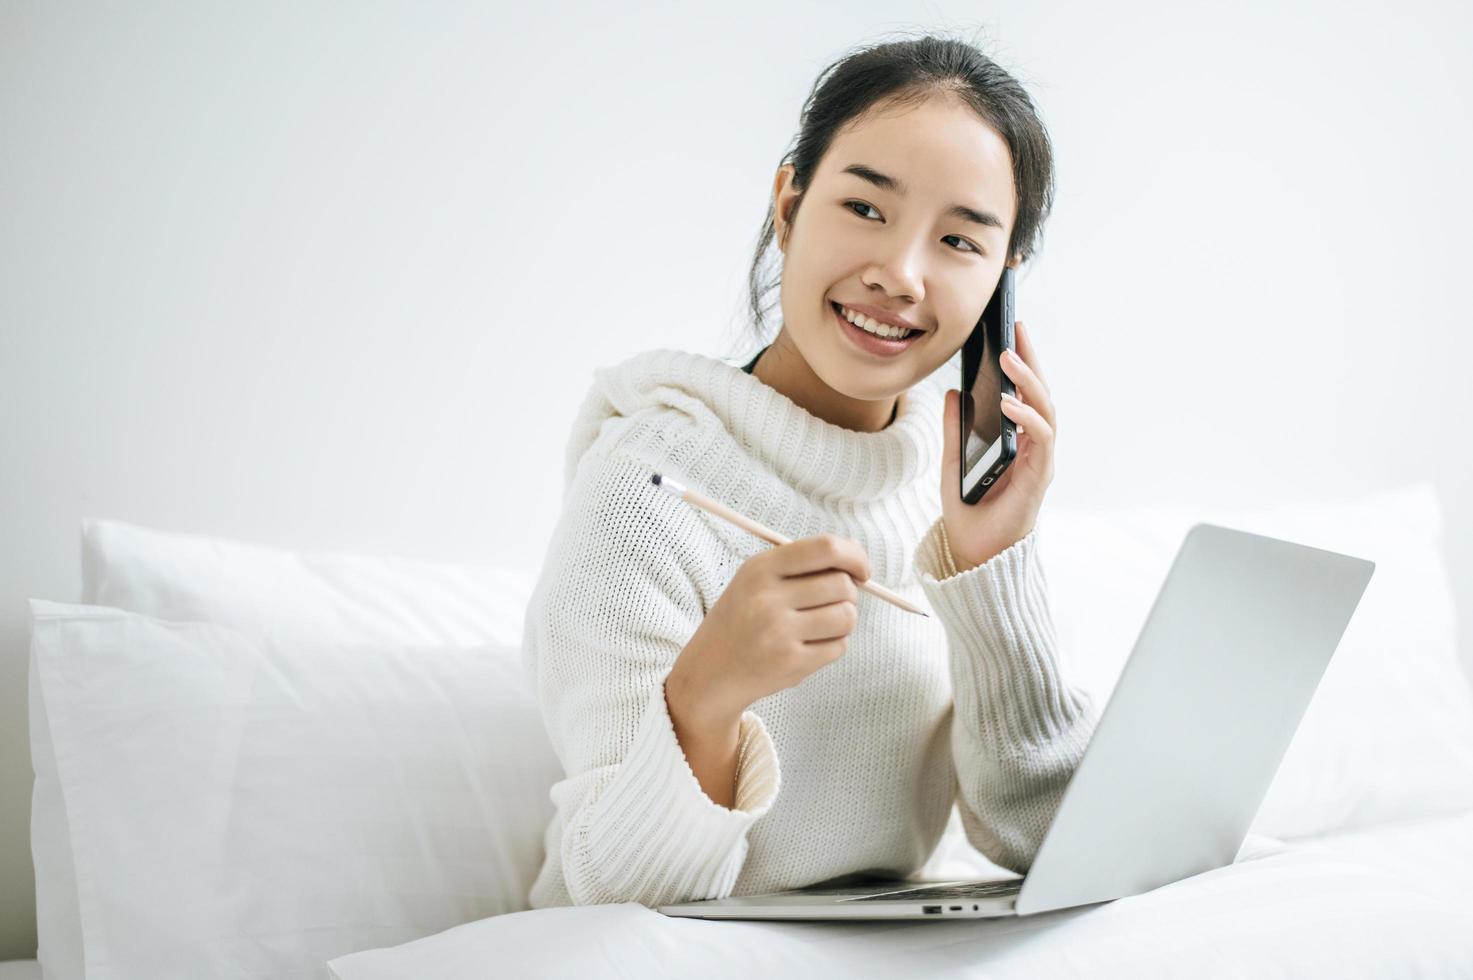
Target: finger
(823, 551)
(1023, 340)
(950, 438)
(820, 589)
(827, 622)
(1032, 387)
(825, 651)
(1038, 429)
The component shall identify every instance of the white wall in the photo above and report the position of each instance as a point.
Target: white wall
(335, 276)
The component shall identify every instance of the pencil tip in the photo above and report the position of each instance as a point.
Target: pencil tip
(655, 479)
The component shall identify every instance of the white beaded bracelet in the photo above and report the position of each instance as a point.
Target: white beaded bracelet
(948, 563)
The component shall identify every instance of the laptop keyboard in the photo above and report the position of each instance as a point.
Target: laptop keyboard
(836, 890)
(972, 889)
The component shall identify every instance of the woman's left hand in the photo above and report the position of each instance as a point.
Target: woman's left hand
(1007, 512)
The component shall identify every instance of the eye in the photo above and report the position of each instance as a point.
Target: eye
(971, 248)
(853, 205)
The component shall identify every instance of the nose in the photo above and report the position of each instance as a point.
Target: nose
(900, 273)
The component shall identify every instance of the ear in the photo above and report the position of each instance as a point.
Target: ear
(783, 197)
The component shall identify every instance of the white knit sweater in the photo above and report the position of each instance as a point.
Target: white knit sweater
(858, 767)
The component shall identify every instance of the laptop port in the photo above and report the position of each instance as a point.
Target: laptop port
(931, 909)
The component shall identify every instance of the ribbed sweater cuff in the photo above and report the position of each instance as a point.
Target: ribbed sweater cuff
(655, 832)
(1001, 635)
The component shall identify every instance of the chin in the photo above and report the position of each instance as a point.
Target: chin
(846, 370)
(873, 385)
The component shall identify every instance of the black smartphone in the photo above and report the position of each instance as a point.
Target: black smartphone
(989, 440)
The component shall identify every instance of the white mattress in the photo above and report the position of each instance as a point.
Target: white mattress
(1394, 900)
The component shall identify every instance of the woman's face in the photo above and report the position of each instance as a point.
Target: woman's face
(877, 227)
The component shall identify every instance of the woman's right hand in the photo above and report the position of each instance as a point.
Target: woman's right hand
(787, 612)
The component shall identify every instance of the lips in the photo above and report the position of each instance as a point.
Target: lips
(868, 342)
(914, 331)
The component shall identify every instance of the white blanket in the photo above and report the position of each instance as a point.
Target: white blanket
(1395, 900)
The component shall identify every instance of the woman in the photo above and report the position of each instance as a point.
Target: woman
(732, 717)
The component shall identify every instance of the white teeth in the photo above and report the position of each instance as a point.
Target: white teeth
(872, 326)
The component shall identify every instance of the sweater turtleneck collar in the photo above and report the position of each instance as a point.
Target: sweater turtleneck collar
(816, 457)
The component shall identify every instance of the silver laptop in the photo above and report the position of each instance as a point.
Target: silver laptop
(1182, 756)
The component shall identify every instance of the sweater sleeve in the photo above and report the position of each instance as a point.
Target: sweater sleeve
(1019, 730)
(615, 603)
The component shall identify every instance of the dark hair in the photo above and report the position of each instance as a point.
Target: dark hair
(906, 73)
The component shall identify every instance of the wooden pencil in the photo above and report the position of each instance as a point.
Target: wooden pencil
(769, 535)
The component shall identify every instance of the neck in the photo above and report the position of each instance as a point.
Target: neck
(783, 368)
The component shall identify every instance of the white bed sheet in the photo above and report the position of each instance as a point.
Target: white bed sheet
(1390, 901)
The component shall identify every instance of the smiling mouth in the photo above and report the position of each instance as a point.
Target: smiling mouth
(839, 311)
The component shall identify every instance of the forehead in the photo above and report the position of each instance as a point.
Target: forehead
(941, 148)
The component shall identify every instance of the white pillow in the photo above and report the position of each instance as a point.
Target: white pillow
(247, 807)
(300, 595)
(1388, 734)
(266, 592)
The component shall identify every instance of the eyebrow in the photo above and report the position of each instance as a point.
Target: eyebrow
(893, 184)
